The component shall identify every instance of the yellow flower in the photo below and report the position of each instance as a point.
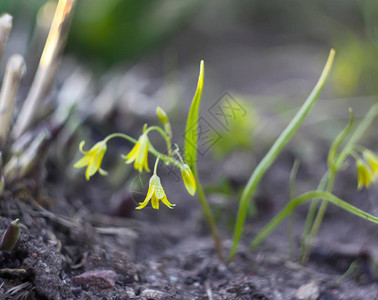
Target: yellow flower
(155, 193)
(139, 154)
(92, 159)
(189, 180)
(372, 160)
(364, 174)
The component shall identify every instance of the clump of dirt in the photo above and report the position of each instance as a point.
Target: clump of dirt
(170, 255)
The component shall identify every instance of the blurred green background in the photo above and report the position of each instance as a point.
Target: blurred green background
(105, 33)
(267, 54)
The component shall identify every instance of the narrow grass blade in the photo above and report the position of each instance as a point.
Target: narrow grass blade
(302, 199)
(274, 151)
(191, 144)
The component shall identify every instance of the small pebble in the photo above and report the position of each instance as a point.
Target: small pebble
(309, 291)
(153, 294)
(103, 279)
(129, 294)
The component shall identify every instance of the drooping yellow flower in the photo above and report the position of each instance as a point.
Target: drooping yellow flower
(189, 180)
(364, 174)
(155, 193)
(92, 159)
(139, 154)
(372, 160)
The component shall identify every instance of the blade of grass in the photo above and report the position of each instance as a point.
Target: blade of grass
(302, 199)
(332, 171)
(191, 144)
(290, 236)
(191, 131)
(274, 151)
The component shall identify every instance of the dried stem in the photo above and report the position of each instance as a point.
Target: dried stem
(20, 165)
(5, 29)
(15, 70)
(47, 66)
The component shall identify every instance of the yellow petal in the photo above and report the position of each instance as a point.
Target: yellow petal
(155, 202)
(142, 149)
(145, 160)
(103, 172)
(167, 203)
(150, 192)
(138, 166)
(88, 173)
(82, 162)
(81, 148)
(364, 174)
(143, 204)
(131, 156)
(372, 160)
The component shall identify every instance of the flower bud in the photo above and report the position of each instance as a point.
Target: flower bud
(10, 237)
(162, 116)
(189, 180)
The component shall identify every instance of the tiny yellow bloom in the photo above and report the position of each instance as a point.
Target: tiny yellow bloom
(372, 160)
(92, 159)
(139, 154)
(189, 180)
(155, 193)
(364, 174)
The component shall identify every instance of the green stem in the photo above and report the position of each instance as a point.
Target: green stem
(357, 134)
(311, 215)
(331, 174)
(290, 236)
(209, 217)
(302, 199)
(165, 158)
(156, 164)
(319, 218)
(274, 151)
(120, 135)
(151, 149)
(165, 136)
(350, 270)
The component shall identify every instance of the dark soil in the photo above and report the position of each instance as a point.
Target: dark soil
(71, 254)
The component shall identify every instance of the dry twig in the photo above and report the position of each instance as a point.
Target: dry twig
(5, 28)
(47, 66)
(15, 70)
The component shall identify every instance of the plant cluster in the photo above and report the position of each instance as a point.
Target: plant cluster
(344, 146)
(139, 156)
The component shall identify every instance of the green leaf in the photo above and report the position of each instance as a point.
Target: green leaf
(302, 199)
(191, 131)
(274, 151)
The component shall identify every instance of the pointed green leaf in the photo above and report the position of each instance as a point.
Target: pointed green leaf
(274, 151)
(191, 131)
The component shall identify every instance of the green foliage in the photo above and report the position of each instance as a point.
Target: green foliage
(288, 209)
(191, 131)
(113, 30)
(274, 151)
